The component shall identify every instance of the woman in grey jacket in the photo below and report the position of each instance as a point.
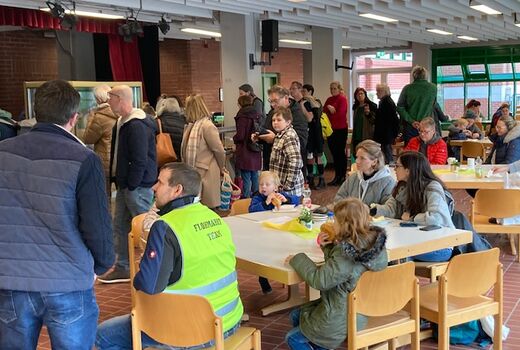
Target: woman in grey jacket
(372, 182)
(421, 197)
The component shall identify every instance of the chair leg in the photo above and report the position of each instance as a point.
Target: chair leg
(444, 337)
(497, 337)
(416, 340)
(512, 243)
(392, 344)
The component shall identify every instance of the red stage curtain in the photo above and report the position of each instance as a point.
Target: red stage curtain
(125, 60)
(11, 16)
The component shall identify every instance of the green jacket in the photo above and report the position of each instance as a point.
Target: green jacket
(324, 321)
(416, 101)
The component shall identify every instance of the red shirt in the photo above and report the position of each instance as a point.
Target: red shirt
(338, 120)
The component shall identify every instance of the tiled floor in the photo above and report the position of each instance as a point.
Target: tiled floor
(114, 300)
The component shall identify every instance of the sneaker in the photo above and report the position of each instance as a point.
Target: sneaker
(118, 275)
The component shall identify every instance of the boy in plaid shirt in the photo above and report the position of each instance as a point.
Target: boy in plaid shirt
(286, 160)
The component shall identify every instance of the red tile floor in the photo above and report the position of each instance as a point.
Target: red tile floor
(114, 299)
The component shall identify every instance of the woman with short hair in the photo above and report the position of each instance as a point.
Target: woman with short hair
(506, 142)
(173, 121)
(386, 121)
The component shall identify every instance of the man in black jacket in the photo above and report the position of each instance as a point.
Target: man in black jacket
(133, 161)
(55, 230)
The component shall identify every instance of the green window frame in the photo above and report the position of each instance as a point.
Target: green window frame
(488, 58)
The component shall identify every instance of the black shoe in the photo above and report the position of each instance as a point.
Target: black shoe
(340, 181)
(264, 283)
(321, 183)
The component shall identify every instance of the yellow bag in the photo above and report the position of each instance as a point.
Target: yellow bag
(326, 127)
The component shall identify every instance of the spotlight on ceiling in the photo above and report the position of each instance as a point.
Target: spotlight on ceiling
(130, 29)
(516, 17)
(57, 11)
(163, 25)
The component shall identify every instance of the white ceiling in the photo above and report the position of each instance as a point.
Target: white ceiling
(296, 18)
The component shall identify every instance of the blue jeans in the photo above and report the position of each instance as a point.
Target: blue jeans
(438, 255)
(295, 338)
(250, 178)
(116, 334)
(71, 319)
(128, 204)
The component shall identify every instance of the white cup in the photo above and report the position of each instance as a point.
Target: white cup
(471, 162)
(451, 160)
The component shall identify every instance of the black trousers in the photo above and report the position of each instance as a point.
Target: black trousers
(387, 151)
(337, 143)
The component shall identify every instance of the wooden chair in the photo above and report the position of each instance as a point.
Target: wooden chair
(459, 297)
(500, 203)
(134, 242)
(471, 149)
(184, 321)
(431, 270)
(390, 298)
(240, 206)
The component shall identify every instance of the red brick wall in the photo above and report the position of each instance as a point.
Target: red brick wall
(191, 66)
(175, 67)
(289, 64)
(25, 55)
(206, 71)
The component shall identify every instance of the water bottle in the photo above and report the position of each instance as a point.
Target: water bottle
(478, 168)
(307, 202)
(330, 217)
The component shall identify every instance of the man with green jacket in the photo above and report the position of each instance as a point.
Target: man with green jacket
(416, 102)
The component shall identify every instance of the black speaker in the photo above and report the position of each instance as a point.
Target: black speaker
(270, 35)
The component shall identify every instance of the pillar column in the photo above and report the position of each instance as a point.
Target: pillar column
(422, 56)
(326, 48)
(237, 42)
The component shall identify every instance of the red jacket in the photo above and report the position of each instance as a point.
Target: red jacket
(338, 120)
(437, 153)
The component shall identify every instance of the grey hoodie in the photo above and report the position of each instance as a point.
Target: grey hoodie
(377, 189)
(439, 206)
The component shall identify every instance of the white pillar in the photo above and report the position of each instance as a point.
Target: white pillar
(326, 48)
(422, 56)
(237, 42)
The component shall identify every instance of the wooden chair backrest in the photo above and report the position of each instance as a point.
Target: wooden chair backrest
(500, 203)
(472, 274)
(240, 206)
(134, 239)
(179, 320)
(472, 149)
(384, 292)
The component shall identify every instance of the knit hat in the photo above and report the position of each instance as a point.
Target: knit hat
(246, 88)
(469, 114)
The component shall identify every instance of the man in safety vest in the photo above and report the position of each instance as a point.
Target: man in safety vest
(189, 251)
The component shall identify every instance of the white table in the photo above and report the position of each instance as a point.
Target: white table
(468, 180)
(262, 251)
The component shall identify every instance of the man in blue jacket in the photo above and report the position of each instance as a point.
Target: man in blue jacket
(55, 230)
(189, 251)
(133, 166)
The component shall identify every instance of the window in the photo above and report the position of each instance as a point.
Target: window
(501, 92)
(489, 74)
(479, 92)
(451, 99)
(396, 82)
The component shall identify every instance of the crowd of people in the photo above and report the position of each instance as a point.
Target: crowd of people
(54, 188)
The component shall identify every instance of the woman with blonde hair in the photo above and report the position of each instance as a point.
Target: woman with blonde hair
(357, 247)
(202, 149)
(372, 182)
(336, 109)
(172, 119)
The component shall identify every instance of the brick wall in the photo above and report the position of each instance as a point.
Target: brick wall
(206, 71)
(25, 55)
(288, 63)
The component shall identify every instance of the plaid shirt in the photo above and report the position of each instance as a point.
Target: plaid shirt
(286, 161)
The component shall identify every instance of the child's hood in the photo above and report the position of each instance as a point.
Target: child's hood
(374, 258)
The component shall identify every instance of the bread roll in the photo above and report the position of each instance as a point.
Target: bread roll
(276, 202)
(328, 228)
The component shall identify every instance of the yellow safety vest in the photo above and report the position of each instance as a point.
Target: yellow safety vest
(208, 260)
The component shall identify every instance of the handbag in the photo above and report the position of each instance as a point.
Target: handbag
(164, 147)
(226, 188)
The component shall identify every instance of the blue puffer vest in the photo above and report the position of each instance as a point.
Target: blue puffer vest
(41, 248)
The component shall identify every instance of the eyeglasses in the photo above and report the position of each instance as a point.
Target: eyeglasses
(275, 100)
(397, 165)
(425, 131)
(111, 94)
